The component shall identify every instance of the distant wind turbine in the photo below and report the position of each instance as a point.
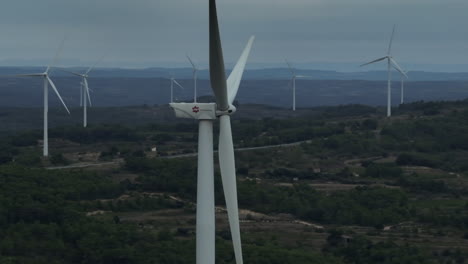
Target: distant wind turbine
(225, 92)
(195, 70)
(173, 81)
(85, 97)
(45, 76)
(390, 62)
(403, 75)
(293, 81)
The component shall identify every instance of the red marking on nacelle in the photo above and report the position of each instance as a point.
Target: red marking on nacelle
(196, 109)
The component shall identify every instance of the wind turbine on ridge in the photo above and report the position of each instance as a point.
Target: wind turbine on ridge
(47, 81)
(293, 81)
(403, 75)
(173, 81)
(390, 62)
(195, 71)
(85, 96)
(225, 92)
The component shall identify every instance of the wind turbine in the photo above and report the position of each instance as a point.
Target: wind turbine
(403, 75)
(293, 81)
(195, 70)
(390, 62)
(225, 92)
(84, 91)
(173, 81)
(46, 80)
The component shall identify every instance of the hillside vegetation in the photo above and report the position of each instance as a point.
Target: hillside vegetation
(324, 185)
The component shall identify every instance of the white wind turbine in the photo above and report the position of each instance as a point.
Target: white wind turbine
(47, 81)
(85, 96)
(225, 91)
(390, 62)
(173, 81)
(195, 70)
(403, 75)
(293, 81)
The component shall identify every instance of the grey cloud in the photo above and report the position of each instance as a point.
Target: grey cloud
(157, 32)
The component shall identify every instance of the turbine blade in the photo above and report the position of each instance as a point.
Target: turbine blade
(235, 77)
(303, 76)
(22, 75)
(96, 63)
(406, 72)
(374, 61)
(57, 92)
(87, 91)
(178, 84)
(191, 62)
(228, 174)
(57, 55)
(74, 73)
(391, 41)
(217, 71)
(290, 67)
(397, 67)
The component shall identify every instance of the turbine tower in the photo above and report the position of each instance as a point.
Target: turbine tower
(84, 91)
(390, 62)
(173, 81)
(293, 81)
(225, 91)
(195, 70)
(46, 81)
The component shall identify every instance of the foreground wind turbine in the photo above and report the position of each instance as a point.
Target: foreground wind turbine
(293, 81)
(225, 92)
(195, 70)
(47, 81)
(173, 81)
(390, 62)
(84, 91)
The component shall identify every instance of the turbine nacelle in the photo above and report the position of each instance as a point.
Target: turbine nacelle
(200, 111)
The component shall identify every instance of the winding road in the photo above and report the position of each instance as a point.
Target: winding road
(188, 155)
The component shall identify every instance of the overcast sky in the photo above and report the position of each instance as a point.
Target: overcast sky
(144, 33)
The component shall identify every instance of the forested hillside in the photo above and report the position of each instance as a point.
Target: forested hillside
(324, 185)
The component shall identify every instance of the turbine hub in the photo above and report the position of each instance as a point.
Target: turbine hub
(231, 110)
